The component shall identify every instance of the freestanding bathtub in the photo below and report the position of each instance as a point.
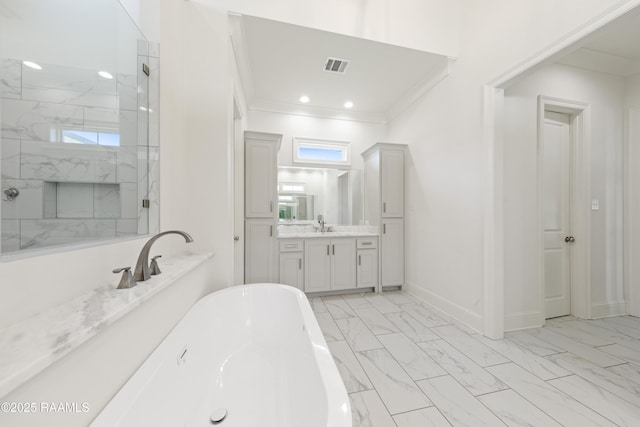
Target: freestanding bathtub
(254, 352)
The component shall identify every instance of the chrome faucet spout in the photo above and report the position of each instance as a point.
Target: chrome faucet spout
(142, 271)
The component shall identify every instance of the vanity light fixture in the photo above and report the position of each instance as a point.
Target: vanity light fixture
(348, 104)
(304, 99)
(105, 75)
(32, 65)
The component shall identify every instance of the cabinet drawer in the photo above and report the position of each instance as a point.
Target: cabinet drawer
(367, 242)
(291, 245)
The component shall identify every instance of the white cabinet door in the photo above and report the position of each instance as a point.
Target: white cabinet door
(291, 269)
(260, 251)
(261, 178)
(367, 271)
(392, 252)
(392, 183)
(343, 264)
(317, 265)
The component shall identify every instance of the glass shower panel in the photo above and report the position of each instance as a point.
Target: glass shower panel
(74, 108)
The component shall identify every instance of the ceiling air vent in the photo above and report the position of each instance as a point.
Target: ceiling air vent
(335, 65)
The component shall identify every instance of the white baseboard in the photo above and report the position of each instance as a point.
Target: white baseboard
(528, 320)
(461, 314)
(609, 309)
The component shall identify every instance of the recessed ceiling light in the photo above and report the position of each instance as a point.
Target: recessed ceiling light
(304, 99)
(348, 104)
(32, 65)
(105, 75)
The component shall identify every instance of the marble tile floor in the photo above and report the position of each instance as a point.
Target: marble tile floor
(405, 364)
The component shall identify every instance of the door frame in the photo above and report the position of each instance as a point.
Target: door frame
(580, 202)
(632, 210)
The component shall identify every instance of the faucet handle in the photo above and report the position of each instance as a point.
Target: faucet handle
(126, 281)
(153, 268)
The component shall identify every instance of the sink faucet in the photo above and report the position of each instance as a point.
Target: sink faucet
(142, 271)
(322, 223)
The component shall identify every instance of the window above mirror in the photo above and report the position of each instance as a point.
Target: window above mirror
(321, 152)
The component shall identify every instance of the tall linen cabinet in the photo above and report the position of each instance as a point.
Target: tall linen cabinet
(384, 207)
(261, 206)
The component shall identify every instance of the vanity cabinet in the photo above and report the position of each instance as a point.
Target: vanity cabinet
(260, 251)
(260, 211)
(329, 264)
(261, 174)
(392, 183)
(392, 252)
(292, 263)
(384, 207)
(367, 258)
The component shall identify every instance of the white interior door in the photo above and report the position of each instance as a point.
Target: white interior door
(556, 179)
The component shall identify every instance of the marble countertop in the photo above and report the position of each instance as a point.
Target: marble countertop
(28, 347)
(328, 234)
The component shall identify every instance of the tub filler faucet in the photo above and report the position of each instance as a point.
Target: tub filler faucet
(142, 271)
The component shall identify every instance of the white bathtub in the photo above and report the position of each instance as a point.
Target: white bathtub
(254, 350)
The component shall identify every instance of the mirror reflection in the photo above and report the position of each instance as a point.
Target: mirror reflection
(304, 193)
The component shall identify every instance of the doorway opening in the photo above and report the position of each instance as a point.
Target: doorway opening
(563, 195)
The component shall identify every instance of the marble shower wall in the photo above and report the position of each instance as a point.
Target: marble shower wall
(82, 150)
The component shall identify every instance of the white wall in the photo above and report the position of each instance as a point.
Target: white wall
(444, 219)
(361, 135)
(605, 94)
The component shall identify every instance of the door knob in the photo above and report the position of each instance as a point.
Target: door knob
(236, 238)
(569, 239)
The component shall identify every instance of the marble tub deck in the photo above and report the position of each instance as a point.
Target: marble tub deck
(405, 364)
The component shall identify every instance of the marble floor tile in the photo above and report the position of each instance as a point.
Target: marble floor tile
(382, 304)
(532, 343)
(357, 301)
(589, 327)
(457, 404)
(413, 329)
(610, 406)
(329, 328)
(627, 371)
(350, 370)
(367, 410)
(568, 330)
(317, 305)
(621, 352)
(625, 327)
(516, 411)
(338, 307)
(357, 334)
(424, 315)
(586, 352)
(474, 378)
(537, 365)
(399, 298)
(376, 322)
(397, 390)
(567, 411)
(472, 348)
(421, 418)
(418, 365)
(603, 378)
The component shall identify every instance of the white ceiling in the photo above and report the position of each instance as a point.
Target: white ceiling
(615, 49)
(279, 62)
